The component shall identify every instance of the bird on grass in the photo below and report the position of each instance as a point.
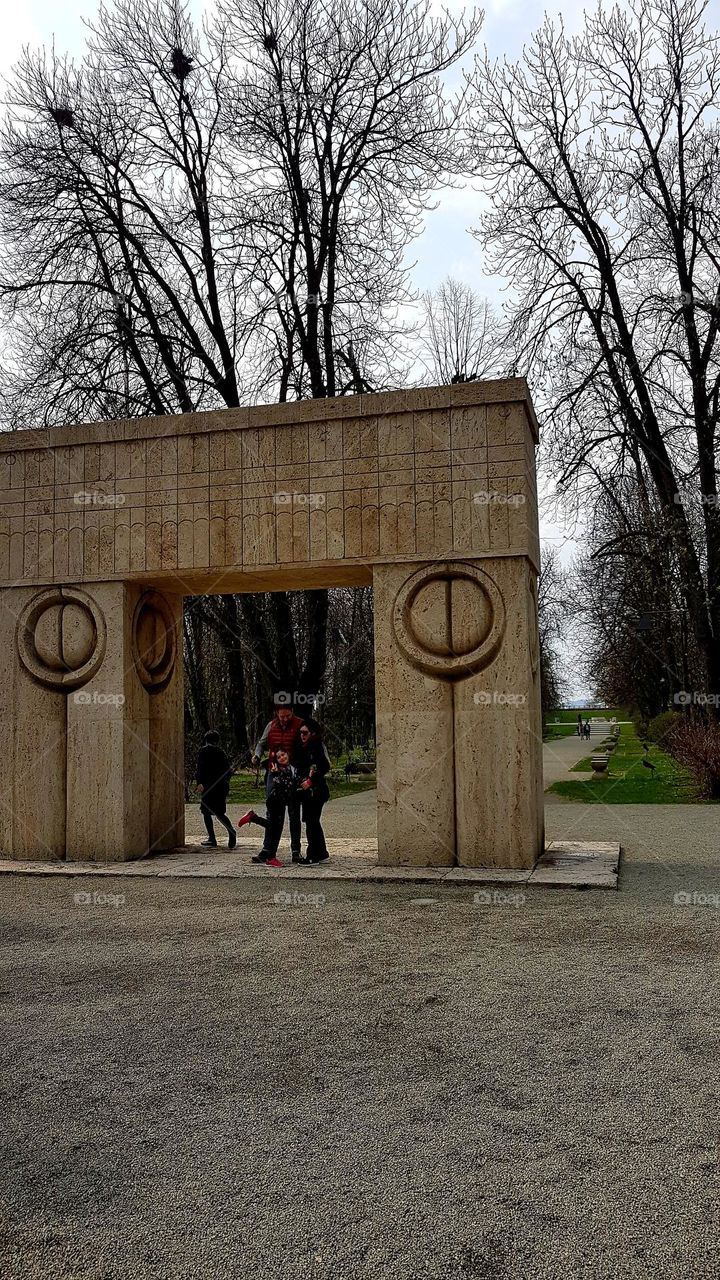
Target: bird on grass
(647, 764)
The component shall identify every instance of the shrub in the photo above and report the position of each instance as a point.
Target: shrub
(695, 742)
(640, 723)
(661, 727)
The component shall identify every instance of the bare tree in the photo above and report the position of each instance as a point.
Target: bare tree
(342, 106)
(462, 337)
(601, 160)
(193, 217)
(628, 603)
(554, 613)
(120, 268)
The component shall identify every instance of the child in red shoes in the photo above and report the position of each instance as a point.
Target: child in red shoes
(280, 788)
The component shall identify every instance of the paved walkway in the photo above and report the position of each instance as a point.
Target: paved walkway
(654, 833)
(560, 756)
(663, 836)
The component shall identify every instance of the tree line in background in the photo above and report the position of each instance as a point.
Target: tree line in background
(242, 652)
(196, 217)
(601, 155)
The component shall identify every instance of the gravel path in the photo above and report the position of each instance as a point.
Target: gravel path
(200, 1082)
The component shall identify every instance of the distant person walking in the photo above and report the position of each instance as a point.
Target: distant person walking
(212, 779)
(580, 730)
(586, 730)
(282, 733)
(313, 766)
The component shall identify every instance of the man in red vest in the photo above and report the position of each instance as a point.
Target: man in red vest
(282, 733)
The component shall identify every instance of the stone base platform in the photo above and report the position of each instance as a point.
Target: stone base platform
(565, 864)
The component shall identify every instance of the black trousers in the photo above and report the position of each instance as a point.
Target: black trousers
(312, 807)
(275, 821)
(212, 805)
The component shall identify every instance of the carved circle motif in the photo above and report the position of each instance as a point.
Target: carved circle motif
(61, 637)
(449, 620)
(154, 640)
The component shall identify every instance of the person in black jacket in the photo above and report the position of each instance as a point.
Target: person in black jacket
(212, 778)
(281, 787)
(313, 765)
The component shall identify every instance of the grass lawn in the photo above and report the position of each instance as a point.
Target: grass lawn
(628, 781)
(244, 791)
(554, 731)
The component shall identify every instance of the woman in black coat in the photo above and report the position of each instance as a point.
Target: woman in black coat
(313, 765)
(212, 778)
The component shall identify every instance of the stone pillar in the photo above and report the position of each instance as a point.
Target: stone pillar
(158, 617)
(33, 725)
(458, 714)
(414, 730)
(498, 735)
(129, 716)
(91, 715)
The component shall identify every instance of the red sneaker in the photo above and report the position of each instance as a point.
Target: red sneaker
(274, 862)
(247, 817)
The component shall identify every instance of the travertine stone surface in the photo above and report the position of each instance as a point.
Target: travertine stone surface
(429, 495)
(336, 485)
(498, 737)
(458, 714)
(414, 727)
(93, 771)
(33, 730)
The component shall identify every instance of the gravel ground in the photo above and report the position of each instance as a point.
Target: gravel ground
(391, 1084)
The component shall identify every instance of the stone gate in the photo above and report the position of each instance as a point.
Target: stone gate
(428, 495)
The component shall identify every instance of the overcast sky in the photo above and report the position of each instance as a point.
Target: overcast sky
(445, 247)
